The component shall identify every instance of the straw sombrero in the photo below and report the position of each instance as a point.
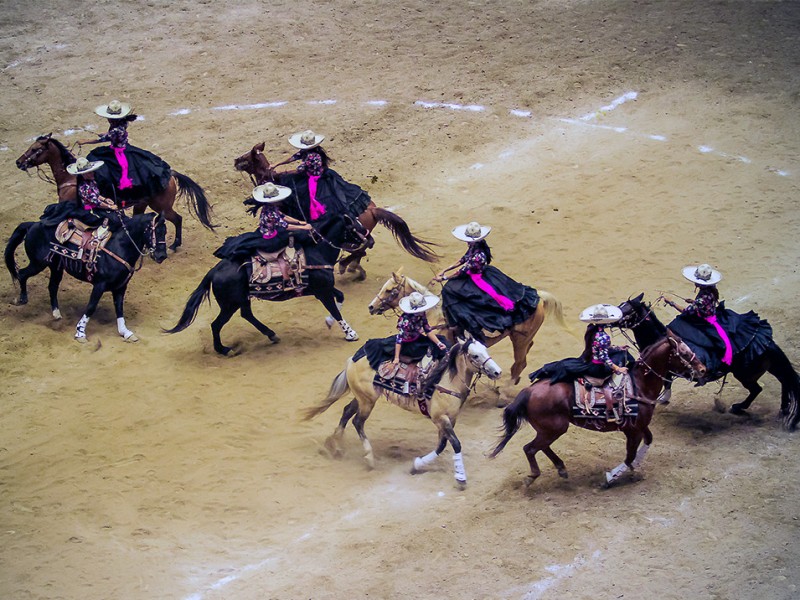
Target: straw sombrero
(114, 110)
(702, 274)
(269, 192)
(416, 302)
(306, 139)
(471, 232)
(601, 314)
(84, 165)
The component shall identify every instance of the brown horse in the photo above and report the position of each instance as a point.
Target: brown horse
(48, 150)
(521, 335)
(548, 408)
(255, 164)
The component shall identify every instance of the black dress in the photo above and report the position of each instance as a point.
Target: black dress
(149, 173)
(338, 196)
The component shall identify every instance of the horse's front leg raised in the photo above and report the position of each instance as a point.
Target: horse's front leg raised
(119, 299)
(633, 439)
(98, 290)
(332, 306)
(422, 462)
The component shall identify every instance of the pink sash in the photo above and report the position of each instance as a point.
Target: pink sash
(317, 209)
(124, 181)
(728, 358)
(505, 303)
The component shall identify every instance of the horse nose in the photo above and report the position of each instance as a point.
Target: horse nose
(371, 309)
(20, 164)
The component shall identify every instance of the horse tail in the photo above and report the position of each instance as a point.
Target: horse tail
(513, 416)
(196, 199)
(339, 388)
(782, 369)
(13, 243)
(552, 307)
(202, 292)
(416, 247)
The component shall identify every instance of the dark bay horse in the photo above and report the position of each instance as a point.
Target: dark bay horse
(548, 408)
(255, 164)
(140, 235)
(229, 281)
(48, 150)
(638, 316)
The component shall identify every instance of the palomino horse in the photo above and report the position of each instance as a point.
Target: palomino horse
(139, 235)
(454, 377)
(548, 408)
(399, 285)
(255, 164)
(48, 150)
(229, 280)
(638, 316)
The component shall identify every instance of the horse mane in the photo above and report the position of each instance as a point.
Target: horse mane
(418, 287)
(66, 156)
(652, 348)
(448, 364)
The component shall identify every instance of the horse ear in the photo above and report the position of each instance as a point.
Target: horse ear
(396, 275)
(639, 298)
(259, 147)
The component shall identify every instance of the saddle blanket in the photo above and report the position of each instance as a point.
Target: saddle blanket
(402, 379)
(278, 275)
(78, 245)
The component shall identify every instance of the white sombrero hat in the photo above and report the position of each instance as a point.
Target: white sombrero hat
(84, 165)
(416, 302)
(702, 274)
(269, 192)
(471, 232)
(306, 139)
(600, 314)
(114, 110)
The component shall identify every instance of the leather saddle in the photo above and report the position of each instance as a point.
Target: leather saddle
(278, 271)
(589, 394)
(77, 241)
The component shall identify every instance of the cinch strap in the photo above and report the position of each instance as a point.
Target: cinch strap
(124, 181)
(505, 303)
(728, 358)
(317, 209)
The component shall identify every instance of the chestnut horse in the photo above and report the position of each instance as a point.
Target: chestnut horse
(521, 335)
(548, 408)
(454, 377)
(48, 150)
(638, 316)
(255, 164)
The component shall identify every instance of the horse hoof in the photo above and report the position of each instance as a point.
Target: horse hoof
(370, 463)
(275, 339)
(461, 484)
(81, 339)
(351, 337)
(529, 480)
(738, 410)
(20, 302)
(131, 338)
(332, 447)
(719, 406)
(563, 474)
(329, 321)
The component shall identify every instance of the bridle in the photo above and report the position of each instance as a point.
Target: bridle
(390, 300)
(480, 371)
(675, 351)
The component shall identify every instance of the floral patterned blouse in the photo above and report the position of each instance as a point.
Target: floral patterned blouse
(89, 194)
(271, 221)
(601, 344)
(411, 326)
(704, 305)
(311, 165)
(474, 261)
(117, 136)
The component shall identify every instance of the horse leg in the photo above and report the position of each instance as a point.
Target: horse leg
(458, 460)
(98, 290)
(225, 314)
(632, 439)
(333, 442)
(751, 386)
(354, 265)
(542, 442)
(642, 451)
(247, 314)
(421, 462)
(332, 305)
(174, 218)
(56, 275)
(557, 462)
(119, 299)
(358, 422)
(522, 343)
(34, 268)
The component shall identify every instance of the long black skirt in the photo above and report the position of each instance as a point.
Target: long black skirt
(750, 337)
(569, 369)
(379, 350)
(149, 173)
(468, 307)
(338, 196)
(55, 213)
(241, 247)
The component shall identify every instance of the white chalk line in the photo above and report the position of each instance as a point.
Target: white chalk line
(30, 59)
(535, 590)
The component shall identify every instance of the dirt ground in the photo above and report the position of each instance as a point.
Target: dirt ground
(608, 143)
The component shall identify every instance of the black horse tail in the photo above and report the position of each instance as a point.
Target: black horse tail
(202, 292)
(513, 416)
(13, 243)
(415, 246)
(782, 369)
(196, 199)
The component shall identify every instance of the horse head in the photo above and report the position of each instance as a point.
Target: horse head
(255, 164)
(478, 357)
(683, 362)
(389, 295)
(634, 311)
(36, 154)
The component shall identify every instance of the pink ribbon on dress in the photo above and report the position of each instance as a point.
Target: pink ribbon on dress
(505, 303)
(728, 358)
(317, 209)
(124, 181)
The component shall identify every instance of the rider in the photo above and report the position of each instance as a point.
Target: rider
(479, 296)
(131, 170)
(415, 336)
(319, 190)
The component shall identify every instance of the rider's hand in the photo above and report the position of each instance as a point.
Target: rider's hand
(396, 361)
(441, 346)
(622, 370)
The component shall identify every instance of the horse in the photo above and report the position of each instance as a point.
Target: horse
(548, 408)
(48, 150)
(255, 164)
(638, 316)
(521, 335)
(139, 235)
(454, 376)
(229, 281)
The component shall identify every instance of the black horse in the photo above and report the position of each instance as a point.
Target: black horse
(136, 237)
(638, 316)
(230, 283)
